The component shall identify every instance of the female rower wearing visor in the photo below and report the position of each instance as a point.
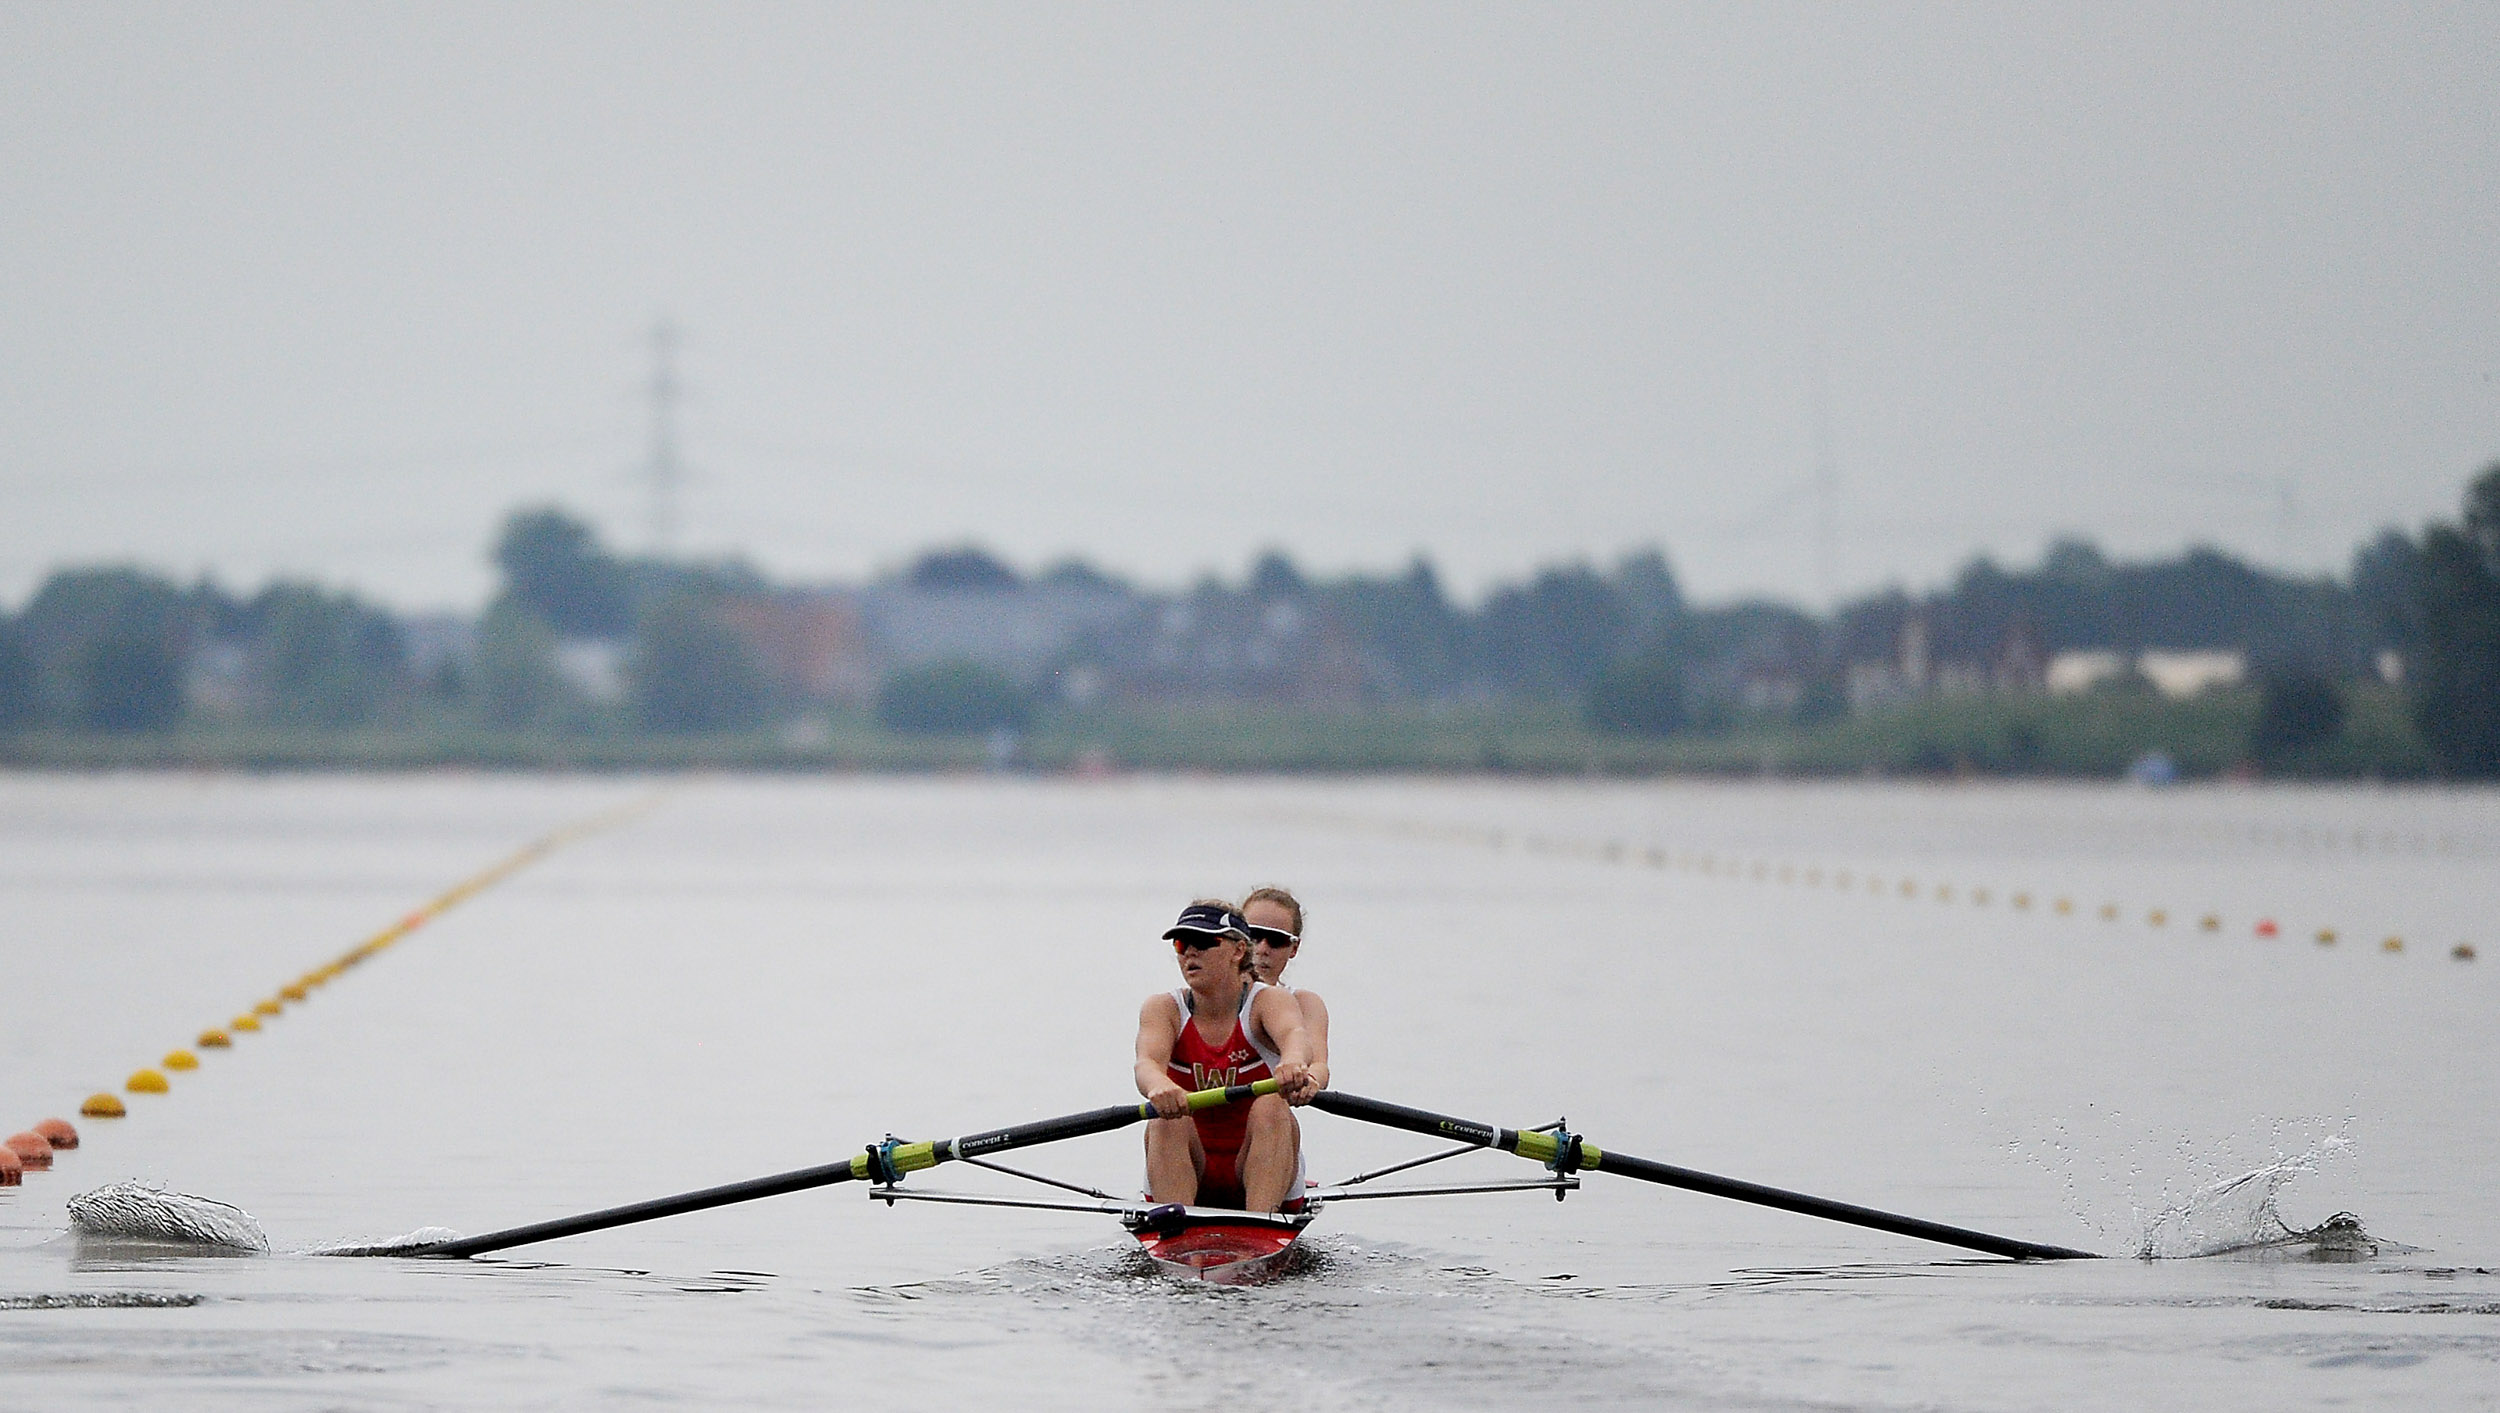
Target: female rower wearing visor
(1274, 916)
(1223, 1027)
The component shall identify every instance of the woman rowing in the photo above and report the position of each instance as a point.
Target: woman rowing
(1221, 1028)
(1274, 916)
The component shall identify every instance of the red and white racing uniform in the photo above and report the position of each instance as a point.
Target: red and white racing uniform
(1245, 1057)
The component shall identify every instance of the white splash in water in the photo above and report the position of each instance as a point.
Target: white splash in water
(2232, 1213)
(414, 1241)
(144, 1212)
(2209, 1196)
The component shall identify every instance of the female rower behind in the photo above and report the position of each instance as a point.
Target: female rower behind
(1274, 916)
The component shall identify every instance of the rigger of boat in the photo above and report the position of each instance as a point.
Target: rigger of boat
(1225, 1245)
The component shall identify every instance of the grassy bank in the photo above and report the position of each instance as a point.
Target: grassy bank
(2092, 736)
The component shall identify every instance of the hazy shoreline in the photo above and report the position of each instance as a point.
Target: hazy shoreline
(2093, 737)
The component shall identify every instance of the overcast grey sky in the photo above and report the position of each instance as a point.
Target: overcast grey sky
(326, 289)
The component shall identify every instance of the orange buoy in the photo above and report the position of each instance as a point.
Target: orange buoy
(31, 1149)
(2266, 927)
(58, 1133)
(102, 1106)
(12, 1172)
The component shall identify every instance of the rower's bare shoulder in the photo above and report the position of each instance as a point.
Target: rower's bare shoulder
(1159, 1009)
(1265, 1005)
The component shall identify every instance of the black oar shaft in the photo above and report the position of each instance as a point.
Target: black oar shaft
(1669, 1175)
(779, 1183)
(1594, 1159)
(892, 1161)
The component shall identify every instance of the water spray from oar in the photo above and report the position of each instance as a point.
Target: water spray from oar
(1567, 1153)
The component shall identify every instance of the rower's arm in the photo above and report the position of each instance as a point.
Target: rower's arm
(1158, 1030)
(1277, 1014)
(1315, 1020)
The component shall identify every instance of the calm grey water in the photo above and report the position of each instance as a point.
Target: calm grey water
(766, 974)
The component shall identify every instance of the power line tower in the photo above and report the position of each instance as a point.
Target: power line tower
(1826, 491)
(663, 468)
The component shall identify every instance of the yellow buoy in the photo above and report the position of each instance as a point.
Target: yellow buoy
(247, 1022)
(1979, 897)
(215, 1040)
(2065, 905)
(293, 991)
(181, 1060)
(1944, 892)
(267, 1008)
(2157, 917)
(2326, 937)
(102, 1106)
(2109, 912)
(2463, 951)
(2022, 900)
(2211, 922)
(147, 1082)
(2392, 944)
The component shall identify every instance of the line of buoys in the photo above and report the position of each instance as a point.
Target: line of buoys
(31, 1151)
(106, 1105)
(1715, 866)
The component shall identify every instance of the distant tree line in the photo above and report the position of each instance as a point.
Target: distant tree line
(580, 638)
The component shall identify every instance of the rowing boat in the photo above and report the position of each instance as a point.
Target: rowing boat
(1212, 1244)
(1232, 1247)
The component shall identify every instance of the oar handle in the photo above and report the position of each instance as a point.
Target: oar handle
(888, 1160)
(1543, 1148)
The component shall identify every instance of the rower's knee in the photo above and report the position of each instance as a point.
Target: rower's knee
(1269, 1113)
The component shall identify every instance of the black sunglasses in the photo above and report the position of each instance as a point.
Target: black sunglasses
(1198, 941)
(1274, 936)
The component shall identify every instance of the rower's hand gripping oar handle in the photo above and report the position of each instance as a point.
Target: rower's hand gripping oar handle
(884, 1163)
(1549, 1149)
